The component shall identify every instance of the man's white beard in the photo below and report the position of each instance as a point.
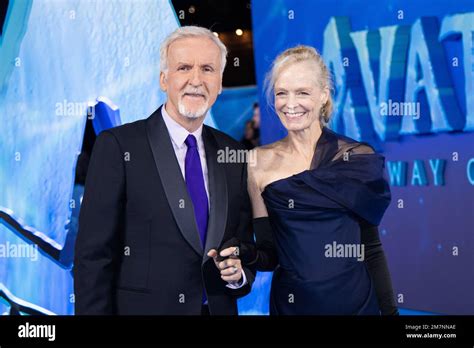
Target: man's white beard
(189, 114)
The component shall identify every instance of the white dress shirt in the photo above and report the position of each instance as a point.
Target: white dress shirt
(178, 135)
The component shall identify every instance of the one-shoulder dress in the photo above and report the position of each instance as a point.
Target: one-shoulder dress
(315, 217)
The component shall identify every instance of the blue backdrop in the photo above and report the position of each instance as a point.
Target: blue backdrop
(233, 108)
(386, 55)
(57, 59)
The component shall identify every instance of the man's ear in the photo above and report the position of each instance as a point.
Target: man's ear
(163, 82)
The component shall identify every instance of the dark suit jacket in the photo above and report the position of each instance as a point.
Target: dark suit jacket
(138, 249)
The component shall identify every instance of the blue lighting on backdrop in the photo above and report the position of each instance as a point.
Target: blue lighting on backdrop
(404, 81)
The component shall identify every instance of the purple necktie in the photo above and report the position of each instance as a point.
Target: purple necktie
(196, 189)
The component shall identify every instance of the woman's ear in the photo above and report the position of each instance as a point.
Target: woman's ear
(324, 95)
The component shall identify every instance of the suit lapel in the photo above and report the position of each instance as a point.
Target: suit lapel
(172, 180)
(217, 193)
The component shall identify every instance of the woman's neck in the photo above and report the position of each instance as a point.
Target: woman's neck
(303, 142)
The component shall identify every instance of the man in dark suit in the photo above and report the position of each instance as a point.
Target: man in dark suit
(158, 202)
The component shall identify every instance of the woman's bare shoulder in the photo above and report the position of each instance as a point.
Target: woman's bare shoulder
(266, 155)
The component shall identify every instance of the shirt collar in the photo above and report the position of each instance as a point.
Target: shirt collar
(177, 132)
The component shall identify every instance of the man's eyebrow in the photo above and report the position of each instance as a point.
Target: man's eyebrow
(184, 63)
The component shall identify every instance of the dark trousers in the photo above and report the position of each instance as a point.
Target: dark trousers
(205, 310)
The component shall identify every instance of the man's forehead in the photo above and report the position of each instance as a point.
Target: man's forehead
(190, 49)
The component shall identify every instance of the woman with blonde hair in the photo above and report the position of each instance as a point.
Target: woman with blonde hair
(317, 198)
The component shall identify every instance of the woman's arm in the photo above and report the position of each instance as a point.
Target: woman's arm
(378, 269)
(266, 259)
(264, 256)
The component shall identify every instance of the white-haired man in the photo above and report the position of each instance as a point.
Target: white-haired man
(158, 204)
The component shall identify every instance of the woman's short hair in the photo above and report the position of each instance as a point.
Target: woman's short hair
(298, 54)
(187, 32)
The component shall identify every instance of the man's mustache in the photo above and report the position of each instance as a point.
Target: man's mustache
(194, 91)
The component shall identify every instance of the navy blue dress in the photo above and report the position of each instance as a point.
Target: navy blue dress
(319, 209)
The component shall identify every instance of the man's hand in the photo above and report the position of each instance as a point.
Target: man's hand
(231, 268)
